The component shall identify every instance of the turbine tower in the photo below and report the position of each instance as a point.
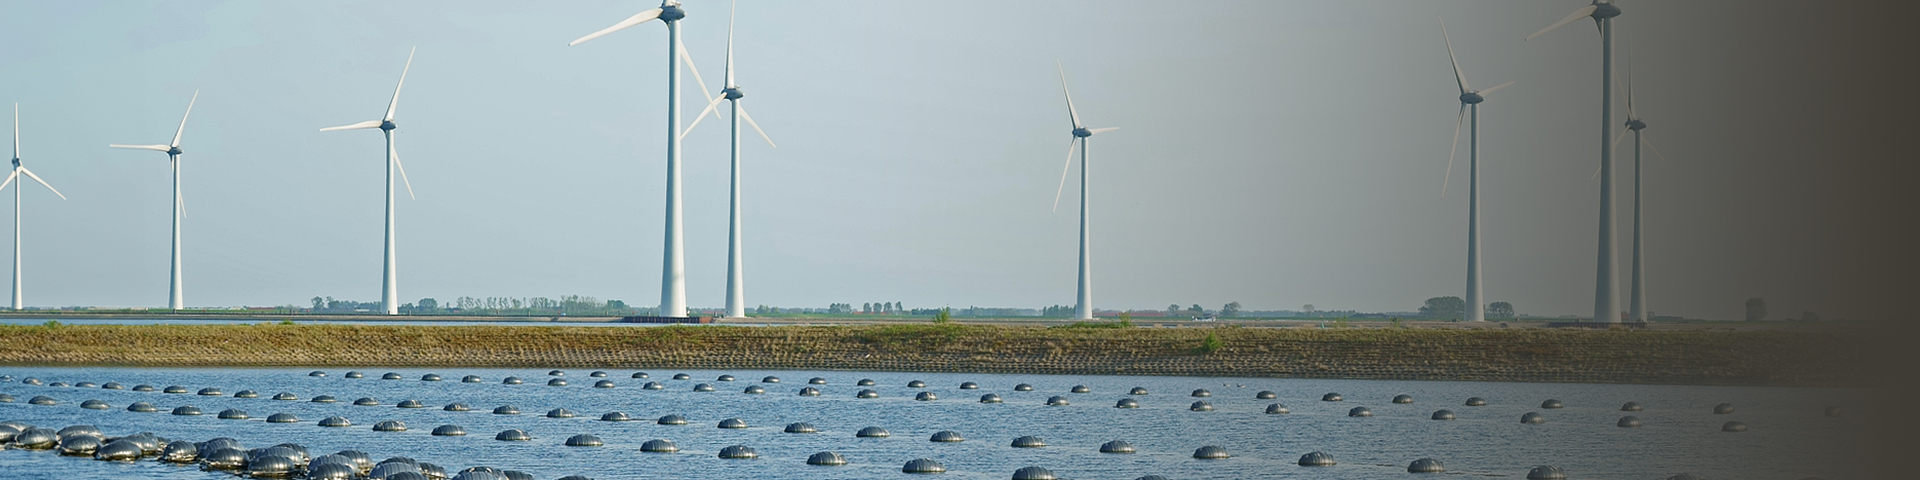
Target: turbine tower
(1083, 306)
(1469, 100)
(1637, 306)
(175, 299)
(736, 273)
(18, 169)
(673, 275)
(389, 280)
(1606, 298)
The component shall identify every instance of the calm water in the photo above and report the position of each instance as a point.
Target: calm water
(1681, 434)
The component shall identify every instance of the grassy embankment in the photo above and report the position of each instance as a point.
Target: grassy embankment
(1533, 355)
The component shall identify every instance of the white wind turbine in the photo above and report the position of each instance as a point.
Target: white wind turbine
(1606, 298)
(673, 275)
(1637, 305)
(176, 300)
(1083, 307)
(736, 274)
(1469, 101)
(390, 281)
(18, 169)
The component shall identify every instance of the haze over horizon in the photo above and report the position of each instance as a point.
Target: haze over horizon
(1271, 153)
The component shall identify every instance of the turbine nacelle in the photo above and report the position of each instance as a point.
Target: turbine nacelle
(733, 93)
(1082, 132)
(1472, 98)
(387, 125)
(1604, 10)
(1636, 124)
(16, 162)
(671, 12)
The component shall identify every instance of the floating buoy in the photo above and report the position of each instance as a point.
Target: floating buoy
(143, 388)
(316, 373)
(916, 384)
(80, 445)
(598, 374)
(1126, 403)
(1137, 391)
(95, 405)
(733, 423)
(283, 417)
(809, 392)
(556, 373)
(284, 396)
(615, 417)
(826, 458)
(1057, 401)
(180, 451)
(1201, 406)
(511, 381)
(969, 386)
(233, 414)
(703, 388)
(557, 382)
(1551, 403)
(1403, 398)
(1733, 427)
(1277, 409)
(449, 431)
(1033, 473)
(411, 403)
(766, 379)
(390, 376)
(42, 400)
(335, 422)
(672, 420)
(925, 396)
(1266, 395)
(1023, 388)
(270, 466)
(431, 377)
(1723, 409)
(1426, 465)
(1631, 407)
(366, 402)
(725, 378)
(868, 393)
(471, 379)
(1476, 402)
(739, 452)
(864, 382)
(603, 384)
(186, 410)
(584, 440)
(1116, 446)
(513, 435)
(1628, 422)
(1331, 397)
(1202, 393)
(174, 389)
(947, 436)
(390, 426)
(1546, 472)
(333, 471)
(923, 465)
(659, 445)
(661, 386)
(118, 450)
(457, 407)
(1316, 459)
(354, 375)
(506, 410)
(1029, 442)
(224, 458)
(754, 390)
(1080, 389)
(1443, 414)
(1359, 412)
(559, 413)
(990, 398)
(84, 385)
(800, 427)
(112, 386)
(323, 399)
(1211, 452)
(640, 375)
(817, 381)
(1533, 417)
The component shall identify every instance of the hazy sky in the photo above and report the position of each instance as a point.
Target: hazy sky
(1272, 153)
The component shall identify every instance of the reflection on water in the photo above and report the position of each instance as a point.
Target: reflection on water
(1680, 433)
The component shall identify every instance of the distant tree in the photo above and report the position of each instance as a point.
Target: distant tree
(319, 303)
(1444, 307)
(1196, 310)
(1173, 309)
(1230, 309)
(1756, 309)
(1308, 309)
(617, 304)
(1500, 310)
(429, 303)
(866, 307)
(943, 316)
(1809, 316)
(1126, 319)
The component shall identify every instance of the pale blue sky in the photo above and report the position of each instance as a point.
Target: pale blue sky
(1272, 153)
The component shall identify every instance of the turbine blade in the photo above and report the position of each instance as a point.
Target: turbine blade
(357, 126)
(636, 19)
(1458, 76)
(1656, 150)
(1596, 174)
(395, 152)
(729, 73)
(1484, 93)
(1071, 114)
(10, 177)
(1582, 12)
(183, 120)
(179, 199)
(756, 127)
(1063, 173)
(157, 148)
(16, 130)
(1448, 178)
(688, 59)
(36, 178)
(703, 115)
(1098, 131)
(1631, 113)
(1621, 136)
(395, 103)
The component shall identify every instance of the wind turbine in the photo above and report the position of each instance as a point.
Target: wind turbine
(389, 281)
(175, 299)
(736, 276)
(1469, 101)
(673, 275)
(17, 170)
(1637, 306)
(1083, 307)
(1606, 298)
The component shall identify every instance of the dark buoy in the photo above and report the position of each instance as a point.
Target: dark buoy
(800, 427)
(559, 413)
(1359, 412)
(246, 394)
(323, 399)
(682, 376)
(703, 388)
(316, 373)
(1733, 427)
(556, 373)
(506, 410)
(174, 389)
(584, 440)
(284, 396)
(1533, 417)
(118, 450)
(471, 379)
(598, 374)
(1628, 422)
(990, 398)
(84, 385)
(557, 382)
(872, 432)
(1029, 442)
(449, 431)
(659, 445)
(724, 378)
(1211, 452)
(333, 471)
(143, 388)
(1202, 393)
(1116, 446)
(916, 384)
(355, 375)
(1266, 395)
(1833, 412)
(1404, 398)
(672, 420)
(42, 400)
(923, 465)
(513, 435)
(1723, 409)
(180, 451)
(271, 466)
(431, 377)
(868, 393)
(225, 458)
(112, 386)
(1631, 407)
(1201, 406)
(925, 396)
(79, 445)
(1426, 465)
(1546, 472)
(603, 384)
(809, 392)
(1126, 403)
(864, 382)
(1332, 397)
(1278, 409)
(1551, 403)
(615, 417)
(366, 402)
(754, 390)
(969, 386)
(947, 436)
(512, 381)
(233, 414)
(30, 381)
(335, 422)
(457, 407)
(1476, 402)
(661, 386)
(733, 423)
(186, 410)
(1137, 391)
(390, 426)
(1033, 473)
(1057, 401)
(1316, 459)
(390, 376)
(283, 417)
(767, 379)
(826, 458)
(4, 398)
(817, 381)
(1080, 389)
(410, 403)
(95, 405)
(641, 375)
(1023, 388)
(36, 439)
(742, 452)
(58, 384)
